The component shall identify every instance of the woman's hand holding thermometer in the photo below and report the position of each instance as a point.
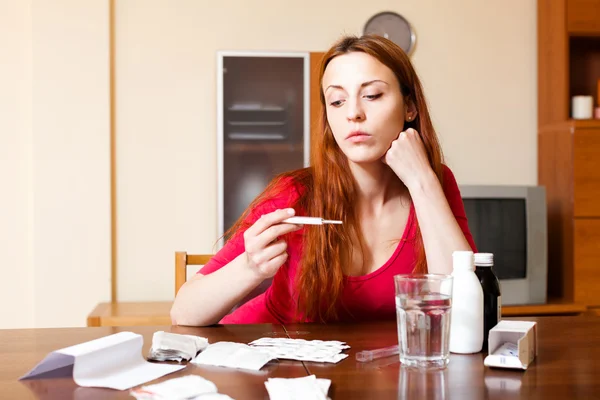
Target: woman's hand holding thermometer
(265, 250)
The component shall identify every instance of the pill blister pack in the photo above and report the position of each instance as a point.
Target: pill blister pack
(302, 350)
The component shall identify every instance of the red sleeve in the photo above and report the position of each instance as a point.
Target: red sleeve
(454, 198)
(285, 195)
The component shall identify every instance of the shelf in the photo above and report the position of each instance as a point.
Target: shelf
(574, 123)
(585, 34)
(256, 123)
(263, 147)
(255, 136)
(594, 311)
(553, 307)
(257, 109)
(586, 123)
(583, 17)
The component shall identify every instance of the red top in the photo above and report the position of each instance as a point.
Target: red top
(365, 298)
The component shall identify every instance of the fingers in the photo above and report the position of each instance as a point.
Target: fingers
(274, 263)
(268, 253)
(263, 248)
(409, 136)
(265, 221)
(409, 133)
(408, 142)
(272, 233)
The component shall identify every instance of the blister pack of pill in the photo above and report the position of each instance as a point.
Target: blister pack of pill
(330, 351)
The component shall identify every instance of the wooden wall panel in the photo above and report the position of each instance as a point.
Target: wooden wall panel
(315, 90)
(587, 173)
(555, 172)
(587, 261)
(553, 64)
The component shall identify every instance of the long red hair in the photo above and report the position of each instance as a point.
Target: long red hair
(328, 188)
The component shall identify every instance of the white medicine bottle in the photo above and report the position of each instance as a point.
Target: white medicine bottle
(466, 324)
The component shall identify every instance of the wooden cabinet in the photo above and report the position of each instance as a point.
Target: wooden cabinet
(569, 167)
(569, 150)
(568, 55)
(267, 104)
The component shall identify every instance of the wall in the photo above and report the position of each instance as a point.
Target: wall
(71, 159)
(56, 266)
(480, 79)
(16, 285)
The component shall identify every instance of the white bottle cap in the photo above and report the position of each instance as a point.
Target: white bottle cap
(484, 259)
(463, 261)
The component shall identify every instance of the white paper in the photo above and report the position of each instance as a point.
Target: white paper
(113, 361)
(305, 388)
(232, 355)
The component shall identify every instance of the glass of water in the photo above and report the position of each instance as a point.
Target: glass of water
(423, 310)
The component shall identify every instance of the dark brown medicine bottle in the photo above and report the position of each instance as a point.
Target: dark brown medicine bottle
(492, 299)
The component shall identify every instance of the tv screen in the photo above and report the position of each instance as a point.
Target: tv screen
(499, 226)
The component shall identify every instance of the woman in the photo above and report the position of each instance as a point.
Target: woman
(377, 166)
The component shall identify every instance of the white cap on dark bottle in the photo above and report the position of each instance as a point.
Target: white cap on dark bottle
(484, 259)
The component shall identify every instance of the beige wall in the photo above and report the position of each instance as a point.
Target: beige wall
(480, 78)
(56, 265)
(71, 159)
(16, 268)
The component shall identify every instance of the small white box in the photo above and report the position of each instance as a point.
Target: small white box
(512, 344)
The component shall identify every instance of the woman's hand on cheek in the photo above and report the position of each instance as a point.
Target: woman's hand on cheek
(408, 159)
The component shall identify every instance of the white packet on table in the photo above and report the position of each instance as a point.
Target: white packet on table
(167, 346)
(232, 355)
(304, 388)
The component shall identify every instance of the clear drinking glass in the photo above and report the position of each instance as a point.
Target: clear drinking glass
(423, 310)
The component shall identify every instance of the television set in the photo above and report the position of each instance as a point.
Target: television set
(511, 222)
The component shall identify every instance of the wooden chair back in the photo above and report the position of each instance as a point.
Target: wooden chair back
(182, 260)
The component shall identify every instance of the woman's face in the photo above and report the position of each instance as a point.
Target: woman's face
(364, 105)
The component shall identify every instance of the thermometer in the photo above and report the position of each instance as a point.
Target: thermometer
(310, 221)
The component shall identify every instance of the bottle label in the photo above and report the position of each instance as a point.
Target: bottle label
(499, 308)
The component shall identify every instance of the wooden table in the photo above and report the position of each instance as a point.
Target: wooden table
(567, 366)
(21, 350)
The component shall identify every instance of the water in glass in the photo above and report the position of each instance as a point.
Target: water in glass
(424, 329)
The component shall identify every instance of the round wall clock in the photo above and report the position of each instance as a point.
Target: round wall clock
(392, 26)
